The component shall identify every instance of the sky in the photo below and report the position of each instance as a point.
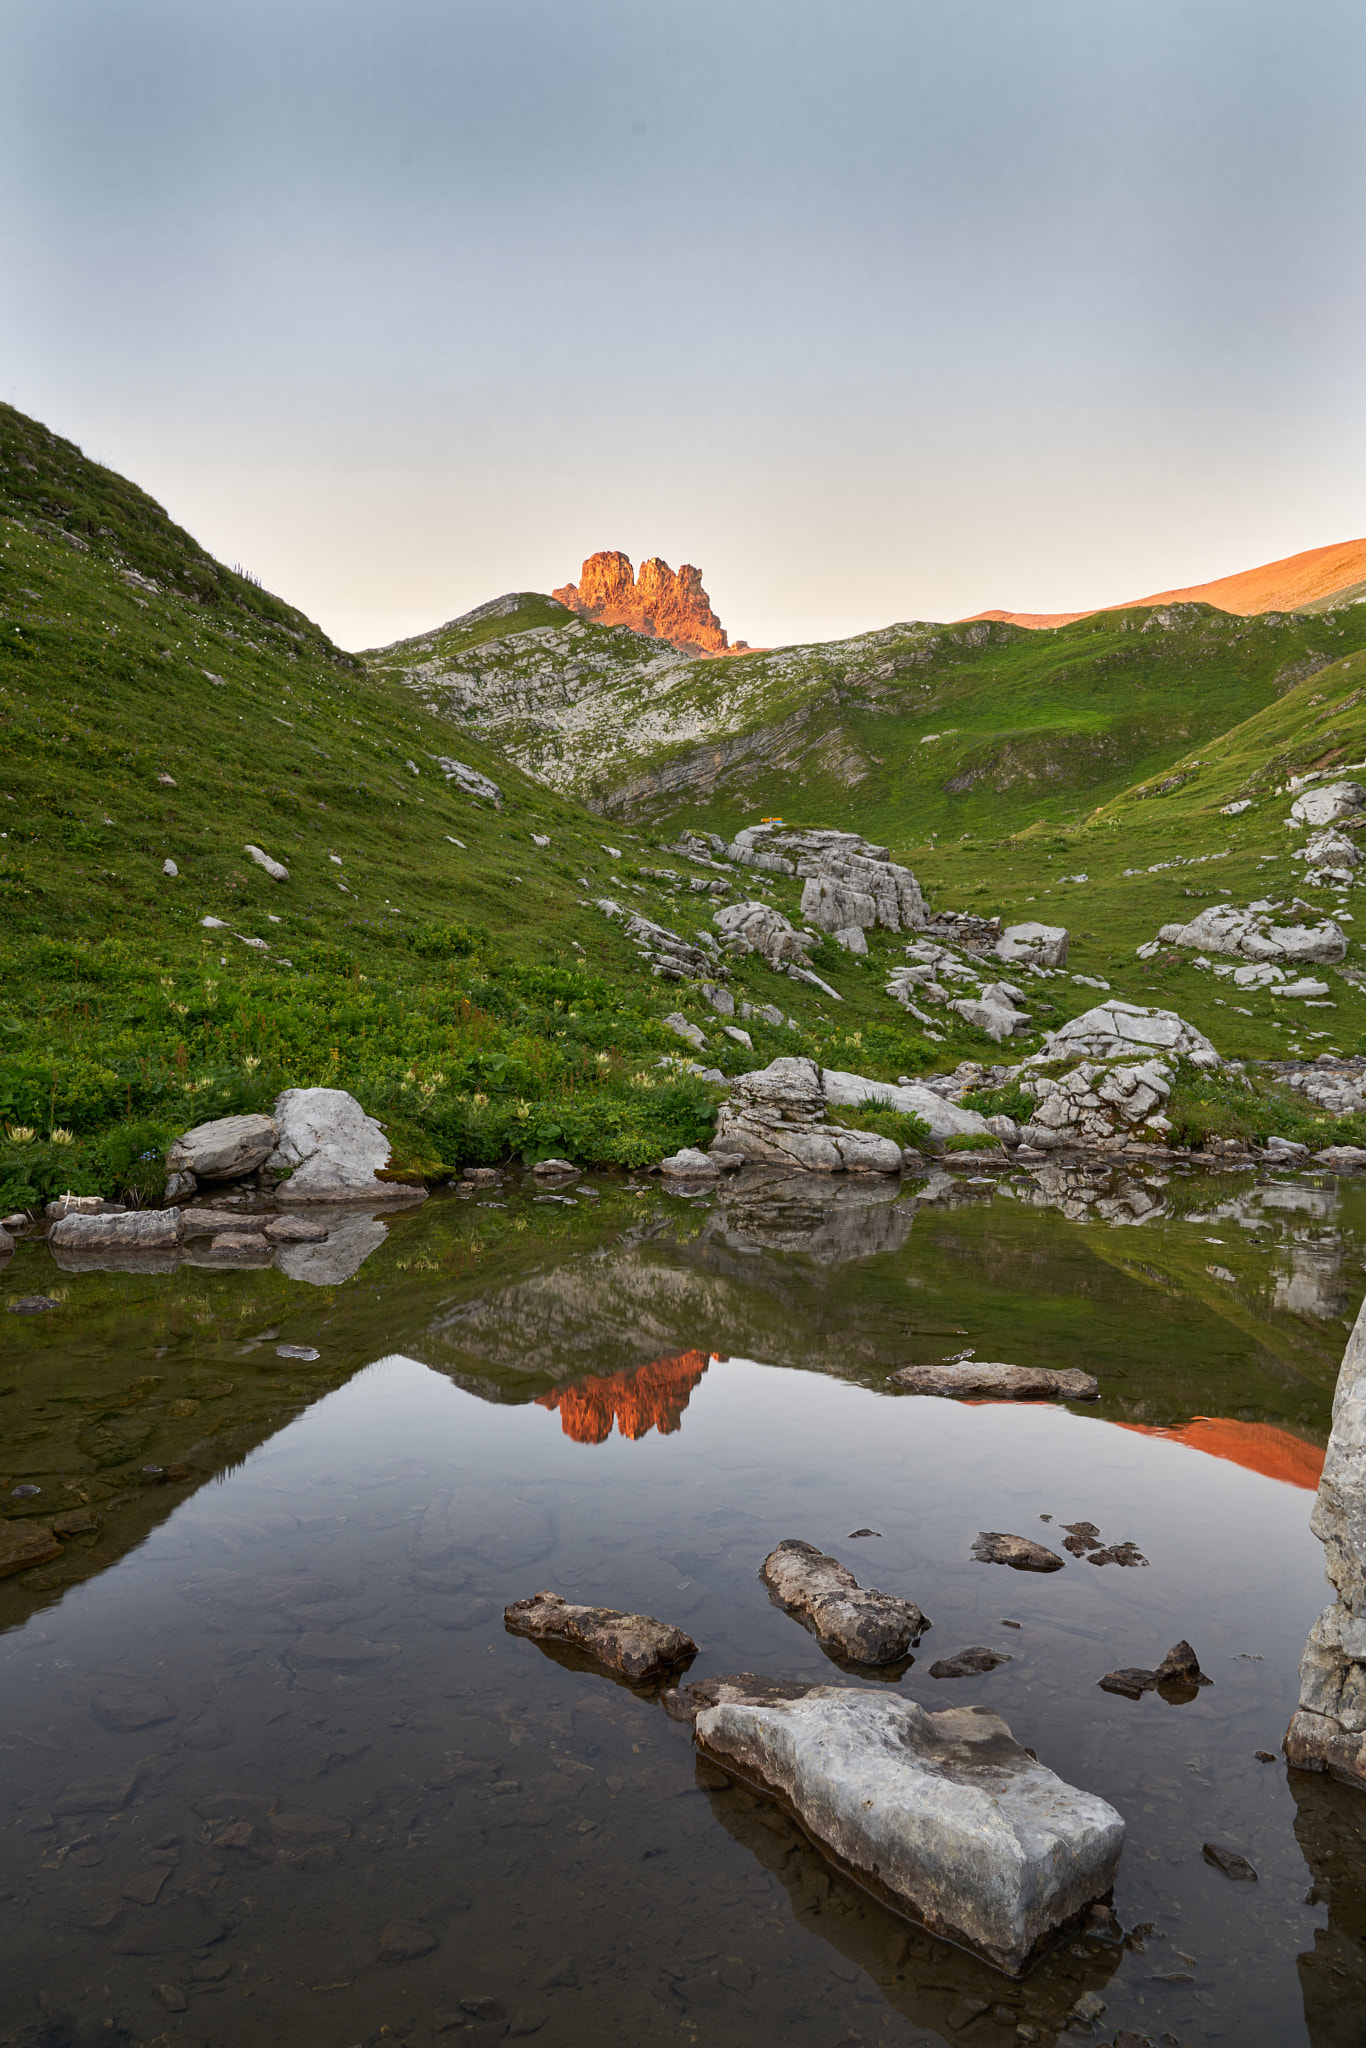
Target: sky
(872, 309)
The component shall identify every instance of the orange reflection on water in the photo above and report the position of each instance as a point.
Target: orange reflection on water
(652, 1396)
(1256, 1446)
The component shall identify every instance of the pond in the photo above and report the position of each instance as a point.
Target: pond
(278, 1772)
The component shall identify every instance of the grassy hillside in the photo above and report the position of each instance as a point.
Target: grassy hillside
(911, 730)
(425, 953)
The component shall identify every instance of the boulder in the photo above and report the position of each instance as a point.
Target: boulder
(209, 1222)
(274, 868)
(331, 1150)
(1328, 1730)
(689, 1164)
(1328, 849)
(691, 1034)
(969, 1663)
(1116, 1030)
(1328, 803)
(634, 1645)
(225, 1149)
(993, 1011)
(470, 781)
(294, 1230)
(980, 1379)
(139, 1230)
(1095, 1105)
(1033, 945)
(758, 928)
(777, 1116)
(994, 1546)
(1250, 934)
(945, 1119)
(1178, 1677)
(829, 861)
(847, 1620)
(944, 1817)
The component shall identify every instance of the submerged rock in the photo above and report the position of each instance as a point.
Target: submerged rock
(994, 1546)
(1000, 1382)
(635, 1645)
(1230, 1862)
(968, 1663)
(847, 1620)
(25, 1544)
(945, 1817)
(686, 1702)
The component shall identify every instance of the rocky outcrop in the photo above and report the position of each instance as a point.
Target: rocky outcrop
(994, 1009)
(981, 1379)
(753, 927)
(635, 1646)
(1115, 1030)
(470, 781)
(1096, 1105)
(140, 1230)
(1250, 935)
(672, 958)
(658, 602)
(1328, 1730)
(943, 1816)
(848, 1620)
(850, 884)
(1033, 945)
(778, 1116)
(1326, 804)
(331, 1150)
(1330, 852)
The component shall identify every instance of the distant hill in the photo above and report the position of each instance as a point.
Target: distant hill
(1316, 580)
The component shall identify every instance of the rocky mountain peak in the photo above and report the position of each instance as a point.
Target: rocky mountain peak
(672, 607)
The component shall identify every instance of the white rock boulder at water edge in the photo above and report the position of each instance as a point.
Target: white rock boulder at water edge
(1251, 935)
(1325, 805)
(945, 1119)
(331, 1150)
(1328, 1730)
(945, 1817)
(778, 1116)
(1097, 1105)
(225, 1149)
(1033, 945)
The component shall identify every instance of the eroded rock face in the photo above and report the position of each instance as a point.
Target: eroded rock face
(847, 1620)
(850, 884)
(1328, 1730)
(752, 927)
(943, 1816)
(225, 1149)
(778, 1116)
(658, 602)
(997, 1382)
(1096, 1105)
(331, 1150)
(635, 1645)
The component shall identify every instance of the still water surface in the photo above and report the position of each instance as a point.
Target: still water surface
(277, 1772)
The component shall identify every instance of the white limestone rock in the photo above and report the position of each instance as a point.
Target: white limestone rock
(137, 1230)
(470, 781)
(848, 880)
(225, 1149)
(688, 1164)
(331, 1150)
(692, 1034)
(277, 871)
(778, 1115)
(752, 927)
(993, 1011)
(943, 1816)
(945, 1119)
(1328, 803)
(1033, 945)
(1115, 1030)
(1329, 849)
(1251, 935)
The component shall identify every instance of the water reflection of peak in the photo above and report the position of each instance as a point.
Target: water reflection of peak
(653, 1396)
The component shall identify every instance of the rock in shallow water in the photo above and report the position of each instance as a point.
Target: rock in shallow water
(635, 1645)
(1178, 1676)
(846, 1619)
(1004, 1382)
(969, 1663)
(993, 1546)
(943, 1816)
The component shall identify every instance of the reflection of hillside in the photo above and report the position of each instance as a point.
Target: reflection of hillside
(652, 1397)
(1256, 1446)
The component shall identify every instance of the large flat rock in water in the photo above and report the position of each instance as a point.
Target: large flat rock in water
(847, 1620)
(945, 1817)
(636, 1645)
(997, 1382)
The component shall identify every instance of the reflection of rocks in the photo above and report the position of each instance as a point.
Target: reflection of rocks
(349, 1242)
(1314, 1286)
(826, 1220)
(944, 1816)
(652, 1397)
(1330, 1827)
(1328, 1731)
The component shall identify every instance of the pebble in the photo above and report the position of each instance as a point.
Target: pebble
(31, 1305)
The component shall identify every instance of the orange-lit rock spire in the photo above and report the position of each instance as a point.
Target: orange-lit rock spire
(671, 607)
(652, 1397)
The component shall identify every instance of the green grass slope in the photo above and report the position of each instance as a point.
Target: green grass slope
(425, 953)
(910, 730)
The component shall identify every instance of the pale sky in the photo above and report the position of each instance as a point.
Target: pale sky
(873, 309)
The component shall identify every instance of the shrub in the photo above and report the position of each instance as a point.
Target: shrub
(901, 1125)
(1011, 1101)
(972, 1141)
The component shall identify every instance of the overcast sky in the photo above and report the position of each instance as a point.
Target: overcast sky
(873, 309)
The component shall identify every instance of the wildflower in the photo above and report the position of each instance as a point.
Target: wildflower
(523, 1111)
(61, 1136)
(604, 1059)
(251, 1062)
(480, 1101)
(180, 1009)
(22, 1134)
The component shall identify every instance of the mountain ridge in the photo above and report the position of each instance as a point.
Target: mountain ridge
(1314, 579)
